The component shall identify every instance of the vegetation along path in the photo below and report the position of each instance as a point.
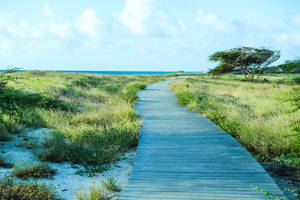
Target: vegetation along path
(183, 155)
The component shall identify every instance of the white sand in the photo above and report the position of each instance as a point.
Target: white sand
(66, 182)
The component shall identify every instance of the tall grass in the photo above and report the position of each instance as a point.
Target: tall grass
(259, 115)
(92, 116)
(12, 189)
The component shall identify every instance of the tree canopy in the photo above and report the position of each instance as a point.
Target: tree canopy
(250, 61)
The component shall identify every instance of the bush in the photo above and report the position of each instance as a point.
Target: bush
(95, 193)
(11, 189)
(4, 163)
(14, 100)
(18, 109)
(130, 91)
(55, 149)
(3, 131)
(6, 77)
(111, 88)
(103, 125)
(32, 170)
(111, 185)
(90, 81)
(184, 98)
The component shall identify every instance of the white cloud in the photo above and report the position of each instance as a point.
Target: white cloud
(48, 11)
(136, 15)
(61, 30)
(210, 19)
(6, 46)
(89, 24)
(53, 32)
(182, 25)
(141, 19)
(287, 40)
(296, 19)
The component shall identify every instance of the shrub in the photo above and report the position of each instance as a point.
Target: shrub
(3, 131)
(95, 193)
(90, 81)
(32, 170)
(184, 98)
(38, 73)
(11, 100)
(6, 77)
(111, 185)
(55, 149)
(11, 189)
(111, 88)
(103, 125)
(4, 164)
(130, 91)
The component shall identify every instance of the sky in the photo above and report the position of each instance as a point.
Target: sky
(141, 35)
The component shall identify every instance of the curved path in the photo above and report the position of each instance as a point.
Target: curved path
(183, 155)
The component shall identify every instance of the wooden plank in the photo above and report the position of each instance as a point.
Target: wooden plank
(183, 155)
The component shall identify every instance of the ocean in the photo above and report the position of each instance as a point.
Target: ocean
(111, 72)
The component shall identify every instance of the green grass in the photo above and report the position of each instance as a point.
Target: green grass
(92, 116)
(101, 191)
(260, 115)
(94, 193)
(111, 185)
(11, 189)
(32, 170)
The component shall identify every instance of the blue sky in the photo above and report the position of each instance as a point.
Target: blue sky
(156, 35)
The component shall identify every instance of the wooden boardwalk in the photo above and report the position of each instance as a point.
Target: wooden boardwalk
(183, 155)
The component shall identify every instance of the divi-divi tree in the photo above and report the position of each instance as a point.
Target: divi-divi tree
(250, 61)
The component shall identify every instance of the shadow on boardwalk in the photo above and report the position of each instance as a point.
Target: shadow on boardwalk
(183, 155)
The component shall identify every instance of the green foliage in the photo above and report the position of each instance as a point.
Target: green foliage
(55, 149)
(295, 124)
(89, 81)
(290, 65)
(267, 194)
(18, 107)
(111, 185)
(6, 77)
(111, 88)
(250, 61)
(289, 161)
(95, 193)
(11, 189)
(32, 170)
(184, 97)
(4, 163)
(100, 124)
(38, 73)
(4, 136)
(223, 68)
(130, 91)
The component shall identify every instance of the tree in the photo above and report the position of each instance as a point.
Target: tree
(6, 76)
(251, 61)
(223, 68)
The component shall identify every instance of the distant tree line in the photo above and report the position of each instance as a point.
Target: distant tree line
(289, 65)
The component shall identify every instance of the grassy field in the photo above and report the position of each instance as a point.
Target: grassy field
(263, 115)
(92, 116)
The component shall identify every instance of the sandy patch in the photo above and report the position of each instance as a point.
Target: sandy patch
(68, 180)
